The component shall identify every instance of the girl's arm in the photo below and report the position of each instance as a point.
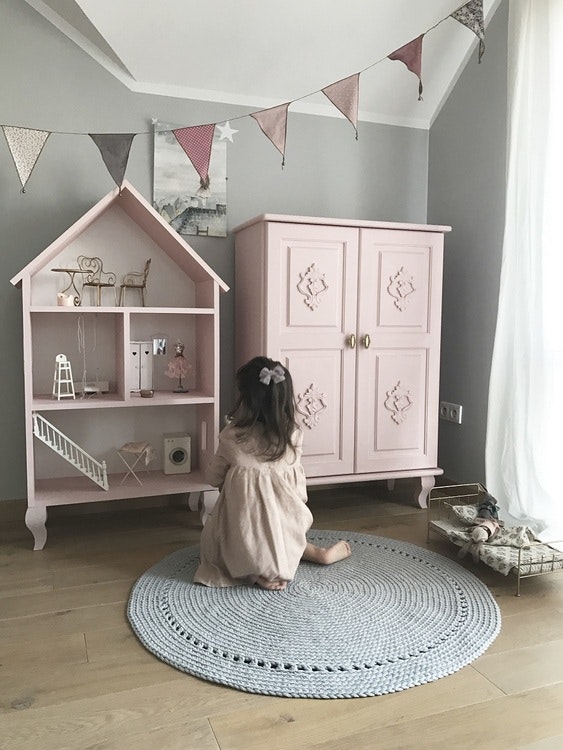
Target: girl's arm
(301, 487)
(218, 466)
(217, 470)
(297, 440)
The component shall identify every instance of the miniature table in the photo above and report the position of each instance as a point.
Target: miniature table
(132, 453)
(71, 274)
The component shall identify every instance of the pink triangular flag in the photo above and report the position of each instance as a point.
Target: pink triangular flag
(411, 55)
(471, 15)
(114, 148)
(344, 95)
(273, 123)
(197, 142)
(25, 146)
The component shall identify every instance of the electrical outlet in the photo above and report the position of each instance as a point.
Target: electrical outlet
(451, 412)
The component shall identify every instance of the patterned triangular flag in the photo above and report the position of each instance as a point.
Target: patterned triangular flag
(411, 56)
(273, 123)
(471, 15)
(344, 95)
(114, 148)
(25, 146)
(197, 142)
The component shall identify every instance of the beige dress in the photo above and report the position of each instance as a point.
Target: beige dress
(258, 525)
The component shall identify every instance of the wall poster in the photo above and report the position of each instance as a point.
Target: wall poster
(178, 195)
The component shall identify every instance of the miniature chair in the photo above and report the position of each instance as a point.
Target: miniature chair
(135, 280)
(95, 276)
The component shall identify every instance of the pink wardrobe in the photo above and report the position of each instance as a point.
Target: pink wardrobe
(353, 309)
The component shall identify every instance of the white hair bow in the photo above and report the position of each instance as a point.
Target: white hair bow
(277, 375)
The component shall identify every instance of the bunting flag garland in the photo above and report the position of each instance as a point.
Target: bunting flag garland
(471, 15)
(25, 147)
(411, 55)
(196, 142)
(114, 148)
(26, 144)
(273, 123)
(344, 95)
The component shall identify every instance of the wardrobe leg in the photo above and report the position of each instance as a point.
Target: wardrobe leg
(421, 496)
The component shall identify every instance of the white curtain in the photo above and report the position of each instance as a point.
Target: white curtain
(524, 451)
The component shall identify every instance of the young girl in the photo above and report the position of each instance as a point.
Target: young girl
(257, 530)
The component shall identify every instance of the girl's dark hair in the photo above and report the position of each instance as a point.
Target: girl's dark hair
(271, 406)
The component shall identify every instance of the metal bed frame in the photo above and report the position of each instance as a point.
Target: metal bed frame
(441, 497)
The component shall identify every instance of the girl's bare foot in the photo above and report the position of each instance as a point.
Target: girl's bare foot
(271, 585)
(327, 555)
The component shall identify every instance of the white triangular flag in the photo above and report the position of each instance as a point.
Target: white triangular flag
(25, 146)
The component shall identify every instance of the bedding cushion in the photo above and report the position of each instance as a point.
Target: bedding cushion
(534, 559)
(511, 536)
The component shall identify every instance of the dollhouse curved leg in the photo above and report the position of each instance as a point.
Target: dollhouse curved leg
(193, 500)
(36, 522)
(209, 498)
(426, 484)
(203, 501)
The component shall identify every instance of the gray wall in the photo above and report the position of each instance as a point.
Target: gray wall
(467, 164)
(48, 83)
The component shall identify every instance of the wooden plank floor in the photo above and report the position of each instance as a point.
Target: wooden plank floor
(72, 675)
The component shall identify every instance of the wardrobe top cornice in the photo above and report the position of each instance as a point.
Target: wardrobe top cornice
(287, 219)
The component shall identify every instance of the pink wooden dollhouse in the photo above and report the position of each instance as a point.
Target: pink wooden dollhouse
(72, 444)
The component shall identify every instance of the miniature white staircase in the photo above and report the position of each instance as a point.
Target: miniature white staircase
(65, 447)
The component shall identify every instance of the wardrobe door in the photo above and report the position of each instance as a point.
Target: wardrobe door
(312, 306)
(398, 350)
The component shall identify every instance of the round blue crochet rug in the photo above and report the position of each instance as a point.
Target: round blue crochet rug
(391, 616)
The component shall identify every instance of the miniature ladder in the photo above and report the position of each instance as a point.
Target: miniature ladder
(55, 439)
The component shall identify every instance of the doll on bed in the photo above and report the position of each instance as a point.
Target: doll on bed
(485, 527)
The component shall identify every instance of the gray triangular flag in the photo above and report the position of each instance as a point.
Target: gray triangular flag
(114, 148)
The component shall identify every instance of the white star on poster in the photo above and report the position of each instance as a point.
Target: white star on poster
(226, 131)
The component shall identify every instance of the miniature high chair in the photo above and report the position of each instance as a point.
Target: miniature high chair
(63, 386)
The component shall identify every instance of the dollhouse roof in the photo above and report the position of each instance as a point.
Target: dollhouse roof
(148, 219)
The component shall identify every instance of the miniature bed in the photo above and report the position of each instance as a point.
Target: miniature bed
(451, 513)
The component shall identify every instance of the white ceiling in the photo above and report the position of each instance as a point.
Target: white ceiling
(260, 53)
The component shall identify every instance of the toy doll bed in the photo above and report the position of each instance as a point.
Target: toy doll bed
(451, 513)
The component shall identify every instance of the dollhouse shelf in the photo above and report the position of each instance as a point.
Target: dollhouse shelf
(124, 231)
(122, 310)
(66, 490)
(114, 401)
